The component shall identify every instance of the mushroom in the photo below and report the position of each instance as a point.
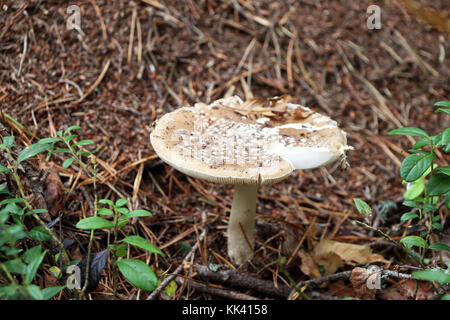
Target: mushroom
(246, 144)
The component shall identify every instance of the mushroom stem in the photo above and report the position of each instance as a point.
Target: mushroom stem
(241, 227)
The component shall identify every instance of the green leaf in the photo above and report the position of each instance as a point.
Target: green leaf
(121, 202)
(4, 169)
(31, 151)
(447, 111)
(122, 223)
(415, 189)
(121, 250)
(414, 166)
(83, 143)
(67, 163)
(123, 210)
(444, 170)
(16, 266)
(421, 143)
(143, 244)
(49, 140)
(40, 234)
(32, 253)
(438, 184)
(439, 247)
(138, 273)
(409, 131)
(362, 207)
(445, 104)
(60, 150)
(50, 292)
(411, 241)
(137, 213)
(94, 223)
(72, 128)
(11, 201)
(440, 276)
(33, 267)
(9, 141)
(408, 216)
(105, 212)
(106, 201)
(35, 292)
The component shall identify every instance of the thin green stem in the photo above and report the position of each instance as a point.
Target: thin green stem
(91, 238)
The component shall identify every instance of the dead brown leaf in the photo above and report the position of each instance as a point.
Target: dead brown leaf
(404, 290)
(308, 266)
(332, 255)
(359, 279)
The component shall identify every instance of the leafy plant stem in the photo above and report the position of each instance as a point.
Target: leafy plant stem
(91, 238)
(30, 208)
(398, 245)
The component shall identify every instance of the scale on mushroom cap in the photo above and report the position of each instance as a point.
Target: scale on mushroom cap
(257, 142)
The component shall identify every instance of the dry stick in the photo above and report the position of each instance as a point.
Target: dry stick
(234, 277)
(215, 291)
(167, 280)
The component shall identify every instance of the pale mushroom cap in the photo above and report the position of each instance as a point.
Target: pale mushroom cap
(221, 143)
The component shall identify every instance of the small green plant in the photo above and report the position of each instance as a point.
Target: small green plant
(428, 188)
(136, 272)
(14, 212)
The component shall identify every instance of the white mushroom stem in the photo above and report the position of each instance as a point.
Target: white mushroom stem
(241, 228)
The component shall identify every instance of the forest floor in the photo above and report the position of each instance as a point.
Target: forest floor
(134, 61)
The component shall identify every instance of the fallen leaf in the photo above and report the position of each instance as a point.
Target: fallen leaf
(308, 266)
(363, 281)
(404, 290)
(332, 255)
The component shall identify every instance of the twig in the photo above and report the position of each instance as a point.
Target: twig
(244, 280)
(215, 291)
(167, 280)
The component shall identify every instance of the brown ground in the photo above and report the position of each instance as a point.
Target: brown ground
(182, 52)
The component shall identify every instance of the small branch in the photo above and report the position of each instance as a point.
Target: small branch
(215, 291)
(167, 280)
(233, 277)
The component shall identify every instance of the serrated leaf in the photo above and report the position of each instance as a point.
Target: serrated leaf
(143, 244)
(409, 131)
(414, 166)
(440, 276)
(411, 241)
(94, 223)
(31, 151)
(138, 273)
